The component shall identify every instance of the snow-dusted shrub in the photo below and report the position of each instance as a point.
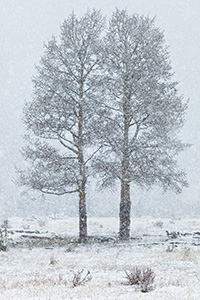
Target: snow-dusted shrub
(52, 260)
(79, 278)
(133, 276)
(158, 224)
(41, 223)
(143, 278)
(4, 236)
(70, 248)
(170, 248)
(25, 226)
(146, 281)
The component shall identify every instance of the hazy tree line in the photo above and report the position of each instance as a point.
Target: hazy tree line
(104, 104)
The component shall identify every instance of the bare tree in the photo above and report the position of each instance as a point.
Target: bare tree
(141, 112)
(61, 112)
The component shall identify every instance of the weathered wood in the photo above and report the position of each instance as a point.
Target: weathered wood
(102, 238)
(42, 237)
(29, 231)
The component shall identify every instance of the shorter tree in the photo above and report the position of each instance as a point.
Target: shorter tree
(60, 115)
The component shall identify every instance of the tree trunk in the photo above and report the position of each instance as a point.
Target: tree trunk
(82, 216)
(125, 210)
(125, 203)
(82, 174)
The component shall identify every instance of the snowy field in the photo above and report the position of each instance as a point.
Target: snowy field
(45, 272)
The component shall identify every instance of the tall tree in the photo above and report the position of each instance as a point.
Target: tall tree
(141, 112)
(61, 112)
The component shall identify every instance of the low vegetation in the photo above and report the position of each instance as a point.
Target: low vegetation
(144, 279)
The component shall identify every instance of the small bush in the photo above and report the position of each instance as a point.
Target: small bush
(143, 278)
(52, 260)
(147, 280)
(41, 223)
(170, 248)
(133, 276)
(4, 236)
(79, 278)
(158, 224)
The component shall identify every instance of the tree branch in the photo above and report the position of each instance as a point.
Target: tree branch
(58, 193)
(93, 154)
(66, 146)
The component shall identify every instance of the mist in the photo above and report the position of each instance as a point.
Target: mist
(25, 26)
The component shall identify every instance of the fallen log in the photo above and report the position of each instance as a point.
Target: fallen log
(42, 237)
(29, 231)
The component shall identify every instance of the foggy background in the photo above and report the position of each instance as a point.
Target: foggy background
(24, 26)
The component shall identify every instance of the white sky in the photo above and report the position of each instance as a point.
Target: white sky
(26, 24)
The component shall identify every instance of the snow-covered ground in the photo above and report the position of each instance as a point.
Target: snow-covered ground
(46, 273)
